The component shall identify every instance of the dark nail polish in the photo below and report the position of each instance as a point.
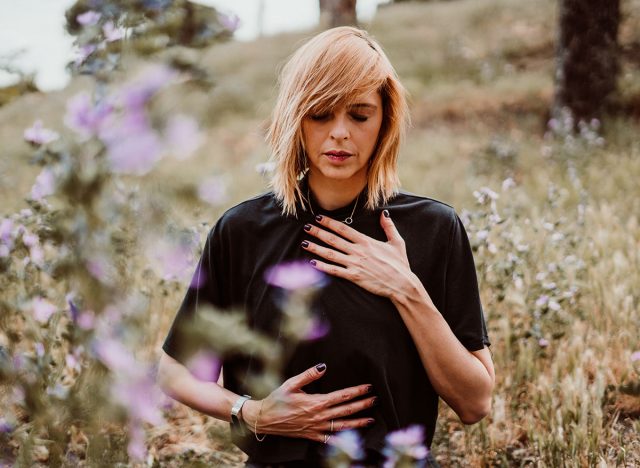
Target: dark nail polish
(321, 367)
(318, 217)
(313, 262)
(370, 422)
(307, 227)
(369, 388)
(385, 213)
(374, 402)
(305, 244)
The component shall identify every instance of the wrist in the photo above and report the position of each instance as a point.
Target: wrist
(407, 290)
(249, 413)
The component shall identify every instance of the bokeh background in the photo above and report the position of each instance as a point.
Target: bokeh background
(551, 205)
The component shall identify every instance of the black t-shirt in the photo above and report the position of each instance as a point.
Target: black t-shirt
(367, 342)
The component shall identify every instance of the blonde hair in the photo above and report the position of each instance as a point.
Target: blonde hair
(336, 66)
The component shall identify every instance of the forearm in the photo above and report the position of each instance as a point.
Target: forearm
(207, 397)
(459, 377)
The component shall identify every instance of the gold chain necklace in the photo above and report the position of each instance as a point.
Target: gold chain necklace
(347, 220)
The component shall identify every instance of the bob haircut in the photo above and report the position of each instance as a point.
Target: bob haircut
(335, 67)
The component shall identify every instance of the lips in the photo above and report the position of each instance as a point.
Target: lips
(342, 154)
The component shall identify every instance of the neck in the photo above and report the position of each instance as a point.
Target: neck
(332, 194)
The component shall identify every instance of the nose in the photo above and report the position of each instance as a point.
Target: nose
(339, 130)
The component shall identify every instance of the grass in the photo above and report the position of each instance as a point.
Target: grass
(480, 77)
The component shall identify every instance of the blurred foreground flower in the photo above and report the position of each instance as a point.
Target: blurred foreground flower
(88, 18)
(45, 184)
(204, 365)
(346, 443)
(294, 275)
(405, 446)
(85, 117)
(635, 356)
(38, 135)
(213, 190)
(42, 309)
(183, 136)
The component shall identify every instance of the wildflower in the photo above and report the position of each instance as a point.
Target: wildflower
(85, 117)
(29, 239)
(6, 228)
(231, 22)
(204, 365)
(135, 153)
(347, 442)
(542, 300)
(265, 168)
(85, 51)
(115, 356)
(4, 251)
(5, 426)
(45, 184)
(317, 329)
(507, 184)
(111, 33)
(213, 190)
(635, 356)
(294, 275)
(136, 449)
(183, 136)
(39, 349)
(138, 394)
(42, 309)
(405, 443)
(38, 135)
(171, 262)
(88, 18)
(543, 342)
(148, 82)
(36, 255)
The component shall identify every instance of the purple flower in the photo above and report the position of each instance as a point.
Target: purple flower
(36, 255)
(111, 33)
(29, 239)
(543, 342)
(347, 442)
(294, 275)
(406, 442)
(45, 184)
(88, 18)
(204, 365)
(318, 329)
(213, 190)
(84, 117)
(38, 135)
(635, 356)
(135, 153)
(6, 231)
(4, 251)
(85, 51)
(115, 356)
(5, 427)
(183, 136)
(86, 320)
(172, 261)
(42, 309)
(137, 449)
(542, 300)
(139, 395)
(73, 309)
(230, 21)
(152, 79)
(39, 349)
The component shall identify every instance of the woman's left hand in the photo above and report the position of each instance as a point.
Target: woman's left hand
(381, 268)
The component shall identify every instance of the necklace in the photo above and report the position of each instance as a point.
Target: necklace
(347, 220)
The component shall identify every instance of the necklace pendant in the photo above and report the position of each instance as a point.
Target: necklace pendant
(349, 220)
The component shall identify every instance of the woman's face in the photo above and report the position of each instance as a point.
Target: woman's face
(340, 142)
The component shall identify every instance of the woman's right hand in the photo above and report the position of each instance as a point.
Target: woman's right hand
(291, 412)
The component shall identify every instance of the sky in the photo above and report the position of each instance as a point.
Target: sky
(35, 28)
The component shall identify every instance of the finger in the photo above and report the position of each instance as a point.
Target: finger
(389, 227)
(331, 269)
(342, 229)
(329, 238)
(346, 424)
(341, 411)
(329, 254)
(305, 378)
(341, 396)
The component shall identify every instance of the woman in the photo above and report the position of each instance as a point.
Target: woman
(405, 321)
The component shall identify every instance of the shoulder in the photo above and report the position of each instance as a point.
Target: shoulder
(249, 214)
(424, 209)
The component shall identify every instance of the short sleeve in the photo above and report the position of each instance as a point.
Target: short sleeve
(463, 309)
(206, 289)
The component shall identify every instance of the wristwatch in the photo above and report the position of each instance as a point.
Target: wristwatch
(235, 410)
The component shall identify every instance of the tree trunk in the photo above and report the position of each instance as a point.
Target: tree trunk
(338, 13)
(586, 58)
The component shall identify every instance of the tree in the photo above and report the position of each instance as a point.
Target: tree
(586, 58)
(338, 13)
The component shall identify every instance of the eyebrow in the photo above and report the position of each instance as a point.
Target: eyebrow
(363, 105)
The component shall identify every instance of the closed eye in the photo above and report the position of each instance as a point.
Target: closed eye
(319, 117)
(359, 118)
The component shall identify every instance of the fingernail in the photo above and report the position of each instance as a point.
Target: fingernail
(307, 227)
(369, 387)
(385, 213)
(321, 367)
(313, 262)
(318, 217)
(370, 422)
(374, 401)
(305, 244)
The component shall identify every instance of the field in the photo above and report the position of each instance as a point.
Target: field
(554, 219)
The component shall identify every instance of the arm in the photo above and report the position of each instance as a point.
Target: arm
(287, 411)
(462, 378)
